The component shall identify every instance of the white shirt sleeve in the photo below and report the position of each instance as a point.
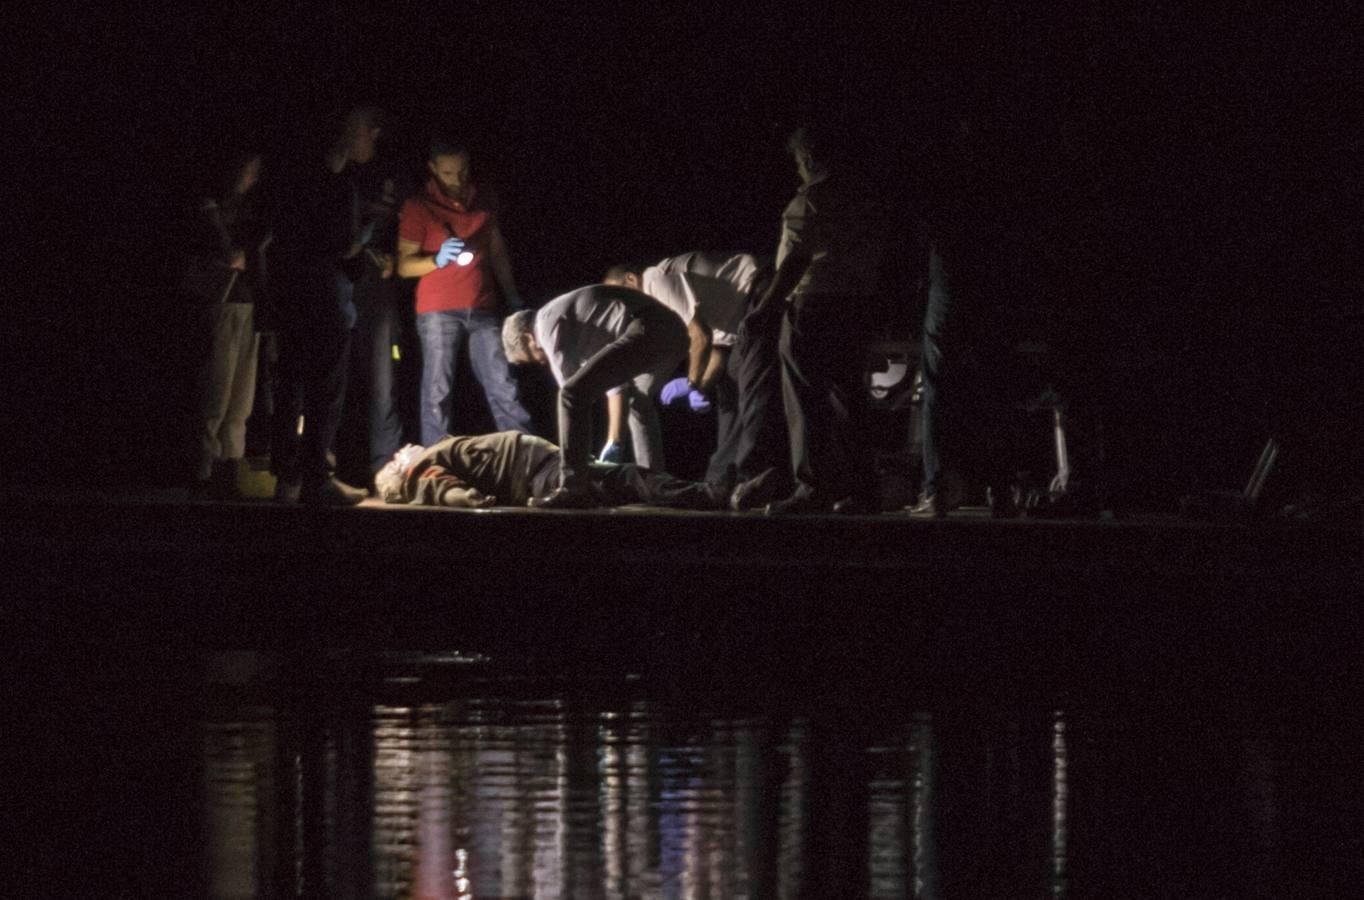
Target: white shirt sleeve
(672, 290)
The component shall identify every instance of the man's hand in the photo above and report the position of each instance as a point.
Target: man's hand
(238, 260)
(673, 391)
(449, 250)
(680, 389)
(612, 453)
(381, 261)
(766, 311)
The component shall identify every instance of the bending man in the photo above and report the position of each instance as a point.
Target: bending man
(596, 339)
(709, 292)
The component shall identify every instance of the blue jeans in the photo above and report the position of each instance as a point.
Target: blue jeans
(443, 336)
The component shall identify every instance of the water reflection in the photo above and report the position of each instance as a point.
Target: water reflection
(489, 789)
(239, 789)
(490, 796)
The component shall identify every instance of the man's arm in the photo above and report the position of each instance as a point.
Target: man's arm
(698, 336)
(500, 260)
(412, 262)
(715, 365)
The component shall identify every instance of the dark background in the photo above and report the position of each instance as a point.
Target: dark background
(1182, 186)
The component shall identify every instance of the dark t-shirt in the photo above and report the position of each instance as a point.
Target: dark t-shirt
(313, 230)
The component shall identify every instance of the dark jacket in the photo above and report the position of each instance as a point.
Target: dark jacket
(478, 471)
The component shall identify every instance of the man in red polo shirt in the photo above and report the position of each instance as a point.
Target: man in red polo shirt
(449, 239)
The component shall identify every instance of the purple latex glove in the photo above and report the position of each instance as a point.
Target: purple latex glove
(680, 389)
(698, 402)
(673, 391)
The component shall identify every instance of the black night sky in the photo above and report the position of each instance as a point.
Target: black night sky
(1182, 186)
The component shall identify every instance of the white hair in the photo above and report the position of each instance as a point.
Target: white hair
(388, 481)
(516, 333)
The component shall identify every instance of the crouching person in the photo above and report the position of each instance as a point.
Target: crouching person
(599, 339)
(513, 469)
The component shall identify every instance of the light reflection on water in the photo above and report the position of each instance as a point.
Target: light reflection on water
(239, 793)
(496, 788)
(489, 795)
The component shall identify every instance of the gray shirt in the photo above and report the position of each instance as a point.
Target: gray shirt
(573, 327)
(842, 234)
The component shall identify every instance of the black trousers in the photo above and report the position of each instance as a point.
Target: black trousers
(722, 465)
(620, 484)
(759, 424)
(311, 382)
(971, 422)
(823, 351)
(372, 427)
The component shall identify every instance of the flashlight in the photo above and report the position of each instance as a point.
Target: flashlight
(465, 256)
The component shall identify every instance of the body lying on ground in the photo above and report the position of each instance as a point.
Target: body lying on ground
(509, 468)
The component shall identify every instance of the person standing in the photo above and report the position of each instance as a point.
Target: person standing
(317, 240)
(969, 421)
(230, 240)
(826, 283)
(449, 239)
(372, 428)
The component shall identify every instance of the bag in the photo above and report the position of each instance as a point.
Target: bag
(208, 280)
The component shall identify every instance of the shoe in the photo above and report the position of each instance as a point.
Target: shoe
(565, 498)
(331, 493)
(756, 492)
(286, 491)
(929, 506)
(795, 505)
(717, 495)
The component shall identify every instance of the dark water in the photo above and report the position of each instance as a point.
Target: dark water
(438, 776)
